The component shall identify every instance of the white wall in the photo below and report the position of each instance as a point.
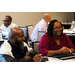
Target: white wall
(32, 18)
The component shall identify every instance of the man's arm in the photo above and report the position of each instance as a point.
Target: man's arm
(8, 58)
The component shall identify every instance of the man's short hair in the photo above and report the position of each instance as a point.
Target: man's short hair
(10, 18)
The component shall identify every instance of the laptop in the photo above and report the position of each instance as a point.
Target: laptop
(65, 56)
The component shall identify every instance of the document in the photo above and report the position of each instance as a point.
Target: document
(66, 31)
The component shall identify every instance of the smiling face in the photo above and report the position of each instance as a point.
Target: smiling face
(19, 38)
(57, 29)
(16, 36)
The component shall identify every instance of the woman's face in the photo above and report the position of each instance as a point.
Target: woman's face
(57, 29)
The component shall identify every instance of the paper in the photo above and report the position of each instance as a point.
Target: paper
(68, 31)
(51, 59)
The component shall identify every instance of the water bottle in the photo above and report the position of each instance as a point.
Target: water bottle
(1, 34)
(66, 21)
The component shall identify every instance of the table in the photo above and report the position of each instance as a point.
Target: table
(69, 32)
(51, 59)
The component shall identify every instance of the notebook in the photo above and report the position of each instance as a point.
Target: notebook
(65, 57)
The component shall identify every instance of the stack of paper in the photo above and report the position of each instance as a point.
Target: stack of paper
(68, 31)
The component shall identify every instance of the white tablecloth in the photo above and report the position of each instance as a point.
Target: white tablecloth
(51, 59)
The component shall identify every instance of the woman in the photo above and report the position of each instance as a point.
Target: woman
(55, 41)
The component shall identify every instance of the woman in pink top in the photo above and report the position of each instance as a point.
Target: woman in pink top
(55, 41)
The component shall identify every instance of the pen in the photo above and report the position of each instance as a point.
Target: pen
(40, 54)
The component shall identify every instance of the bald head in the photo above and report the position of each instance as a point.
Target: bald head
(14, 31)
(16, 36)
(47, 17)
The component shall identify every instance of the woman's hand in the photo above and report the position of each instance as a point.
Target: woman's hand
(65, 50)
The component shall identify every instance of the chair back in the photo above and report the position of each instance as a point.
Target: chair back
(35, 46)
(40, 34)
(24, 30)
(29, 31)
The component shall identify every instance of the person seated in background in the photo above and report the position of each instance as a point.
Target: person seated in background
(16, 47)
(41, 26)
(7, 24)
(55, 42)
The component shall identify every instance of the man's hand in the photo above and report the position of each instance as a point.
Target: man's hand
(37, 58)
(27, 57)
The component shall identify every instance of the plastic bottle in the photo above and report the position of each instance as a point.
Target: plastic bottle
(66, 21)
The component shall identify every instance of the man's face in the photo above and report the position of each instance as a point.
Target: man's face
(49, 18)
(19, 39)
(6, 21)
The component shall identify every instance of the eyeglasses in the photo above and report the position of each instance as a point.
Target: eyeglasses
(57, 28)
(5, 20)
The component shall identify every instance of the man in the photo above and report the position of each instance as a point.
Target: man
(16, 47)
(7, 24)
(41, 26)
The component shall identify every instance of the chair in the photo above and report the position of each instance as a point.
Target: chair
(35, 46)
(25, 33)
(29, 31)
(24, 30)
(40, 34)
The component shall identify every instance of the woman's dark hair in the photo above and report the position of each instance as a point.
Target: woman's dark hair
(50, 27)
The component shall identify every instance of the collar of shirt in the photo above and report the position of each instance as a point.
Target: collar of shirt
(45, 22)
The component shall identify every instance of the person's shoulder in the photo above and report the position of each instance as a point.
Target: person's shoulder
(13, 25)
(64, 34)
(25, 44)
(40, 22)
(46, 36)
(2, 25)
(6, 48)
(6, 43)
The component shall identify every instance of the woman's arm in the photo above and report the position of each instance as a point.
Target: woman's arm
(64, 50)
